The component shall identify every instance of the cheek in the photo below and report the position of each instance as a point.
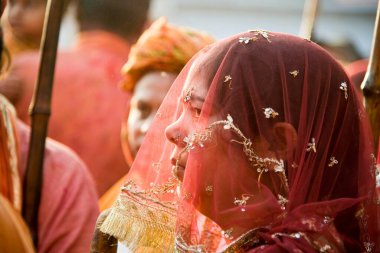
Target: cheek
(132, 122)
(34, 20)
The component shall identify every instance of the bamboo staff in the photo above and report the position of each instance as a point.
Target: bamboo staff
(40, 112)
(371, 82)
(309, 14)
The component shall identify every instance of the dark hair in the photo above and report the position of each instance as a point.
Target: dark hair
(123, 17)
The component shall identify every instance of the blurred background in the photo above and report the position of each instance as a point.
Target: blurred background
(346, 24)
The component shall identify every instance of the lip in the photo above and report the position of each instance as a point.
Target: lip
(179, 169)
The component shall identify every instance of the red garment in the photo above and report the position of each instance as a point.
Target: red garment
(271, 143)
(87, 106)
(356, 72)
(68, 209)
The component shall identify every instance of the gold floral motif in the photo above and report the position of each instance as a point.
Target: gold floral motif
(246, 40)
(325, 248)
(282, 201)
(243, 201)
(343, 87)
(186, 196)
(263, 33)
(369, 246)
(188, 94)
(333, 161)
(227, 233)
(311, 146)
(152, 193)
(294, 73)
(156, 167)
(261, 164)
(209, 188)
(228, 80)
(270, 113)
(310, 222)
(327, 220)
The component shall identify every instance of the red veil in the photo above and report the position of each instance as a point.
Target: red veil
(272, 153)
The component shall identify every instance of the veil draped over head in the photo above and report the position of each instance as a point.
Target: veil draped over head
(260, 145)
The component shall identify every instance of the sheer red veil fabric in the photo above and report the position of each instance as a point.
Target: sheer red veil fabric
(272, 153)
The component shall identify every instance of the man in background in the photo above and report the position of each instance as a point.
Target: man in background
(87, 105)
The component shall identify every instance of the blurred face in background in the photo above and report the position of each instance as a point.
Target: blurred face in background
(147, 97)
(26, 18)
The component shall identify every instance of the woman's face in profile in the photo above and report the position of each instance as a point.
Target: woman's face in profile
(148, 95)
(193, 119)
(191, 103)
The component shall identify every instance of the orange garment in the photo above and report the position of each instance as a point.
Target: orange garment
(87, 106)
(10, 183)
(110, 196)
(14, 234)
(68, 208)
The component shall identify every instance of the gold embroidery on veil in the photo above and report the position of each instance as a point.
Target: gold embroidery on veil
(141, 221)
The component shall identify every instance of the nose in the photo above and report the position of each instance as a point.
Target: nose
(175, 134)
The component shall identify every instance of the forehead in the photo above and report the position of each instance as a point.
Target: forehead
(196, 81)
(154, 84)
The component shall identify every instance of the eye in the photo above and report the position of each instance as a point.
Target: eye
(143, 108)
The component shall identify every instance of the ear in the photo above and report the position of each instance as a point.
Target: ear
(285, 139)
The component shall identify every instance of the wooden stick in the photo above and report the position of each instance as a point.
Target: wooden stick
(309, 14)
(371, 82)
(40, 112)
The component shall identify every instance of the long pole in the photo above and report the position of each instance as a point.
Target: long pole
(40, 112)
(309, 14)
(371, 82)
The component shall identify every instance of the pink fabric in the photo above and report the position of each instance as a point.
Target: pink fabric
(68, 209)
(87, 106)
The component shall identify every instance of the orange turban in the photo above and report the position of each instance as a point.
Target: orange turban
(162, 47)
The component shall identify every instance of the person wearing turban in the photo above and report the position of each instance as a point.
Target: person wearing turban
(153, 64)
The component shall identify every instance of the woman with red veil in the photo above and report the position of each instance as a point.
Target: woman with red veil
(261, 145)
